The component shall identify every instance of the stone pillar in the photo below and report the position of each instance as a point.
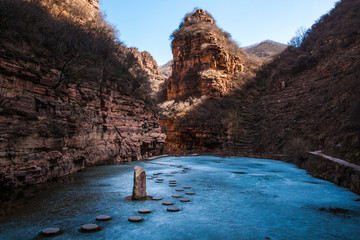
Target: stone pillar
(139, 189)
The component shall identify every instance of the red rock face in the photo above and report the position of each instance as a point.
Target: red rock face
(149, 65)
(146, 61)
(47, 133)
(208, 65)
(203, 60)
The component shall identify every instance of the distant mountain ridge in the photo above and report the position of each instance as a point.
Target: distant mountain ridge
(266, 49)
(166, 68)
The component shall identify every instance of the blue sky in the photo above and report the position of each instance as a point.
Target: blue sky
(147, 24)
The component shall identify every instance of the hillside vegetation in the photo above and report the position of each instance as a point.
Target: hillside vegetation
(310, 95)
(30, 33)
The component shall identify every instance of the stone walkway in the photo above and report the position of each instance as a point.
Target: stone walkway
(337, 160)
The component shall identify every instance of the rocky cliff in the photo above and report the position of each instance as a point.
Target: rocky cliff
(68, 101)
(148, 64)
(205, 60)
(207, 67)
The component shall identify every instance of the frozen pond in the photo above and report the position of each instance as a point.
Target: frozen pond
(235, 198)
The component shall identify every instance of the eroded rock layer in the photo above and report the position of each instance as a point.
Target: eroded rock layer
(205, 60)
(44, 135)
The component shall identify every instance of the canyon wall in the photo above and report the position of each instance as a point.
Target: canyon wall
(69, 101)
(45, 135)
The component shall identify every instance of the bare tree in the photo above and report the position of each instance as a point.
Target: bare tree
(300, 34)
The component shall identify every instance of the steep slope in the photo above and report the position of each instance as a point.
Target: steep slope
(266, 50)
(71, 96)
(309, 96)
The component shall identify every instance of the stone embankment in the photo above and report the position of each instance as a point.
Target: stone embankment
(334, 170)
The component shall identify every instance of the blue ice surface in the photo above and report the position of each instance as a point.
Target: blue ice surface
(264, 199)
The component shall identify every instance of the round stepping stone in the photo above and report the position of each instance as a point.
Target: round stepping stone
(184, 200)
(157, 198)
(169, 175)
(187, 187)
(135, 219)
(172, 185)
(174, 172)
(179, 190)
(167, 203)
(103, 218)
(172, 180)
(50, 231)
(144, 210)
(176, 196)
(150, 178)
(173, 209)
(159, 181)
(90, 227)
(189, 193)
(179, 166)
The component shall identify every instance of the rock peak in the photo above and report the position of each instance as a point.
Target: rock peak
(199, 15)
(206, 61)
